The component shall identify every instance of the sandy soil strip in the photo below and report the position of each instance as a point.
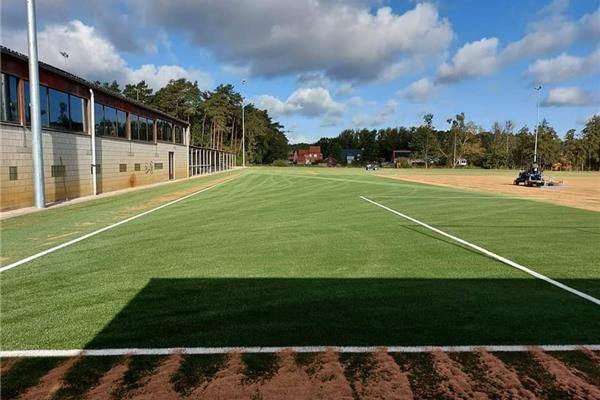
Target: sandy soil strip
(109, 382)
(594, 356)
(51, 382)
(289, 382)
(503, 378)
(159, 385)
(576, 387)
(227, 383)
(328, 381)
(7, 365)
(456, 384)
(387, 381)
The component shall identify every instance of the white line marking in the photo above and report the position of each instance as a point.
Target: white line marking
(297, 349)
(88, 235)
(490, 254)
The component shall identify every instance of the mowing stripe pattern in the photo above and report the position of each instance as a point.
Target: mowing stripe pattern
(106, 228)
(490, 254)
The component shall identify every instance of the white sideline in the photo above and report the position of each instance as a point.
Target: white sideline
(490, 254)
(88, 235)
(297, 349)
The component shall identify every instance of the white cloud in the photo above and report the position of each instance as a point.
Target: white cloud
(330, 120)
(384, 116)
(570, 97)
(418, 91)
(356, 101)
(93, 57)
(310, 102)
(552, 33)
(472, 60)
(346, 40)
(564, 67)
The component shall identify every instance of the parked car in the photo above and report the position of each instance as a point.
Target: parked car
(372, 166)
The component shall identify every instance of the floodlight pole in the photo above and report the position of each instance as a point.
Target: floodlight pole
(537, 123)
(243, 131)
(36, 119)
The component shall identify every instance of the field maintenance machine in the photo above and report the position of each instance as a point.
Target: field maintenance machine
(534, 177)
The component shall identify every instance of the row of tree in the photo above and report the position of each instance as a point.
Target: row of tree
(502, 146)
(215, 117)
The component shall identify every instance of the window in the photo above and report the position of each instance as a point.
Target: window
(164, 131)
(43, 105)
(143, 129)
(110, 121)
(178, 134)
(9, 103)
(121, 122)
(99, 119)
(122, 167)
(158, 165)
(150, 129)
(59, 109)
(137, 167)
(77, 113)
(134, 126)
(12, 173)
(58, 171)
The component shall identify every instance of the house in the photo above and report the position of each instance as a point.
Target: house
(312, 155)
(351, 155)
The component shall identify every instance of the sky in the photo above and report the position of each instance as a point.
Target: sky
(321, 66)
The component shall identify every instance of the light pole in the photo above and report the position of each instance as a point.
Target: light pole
(537, 123)
(65, 56)
(36, 118)
(243, 130)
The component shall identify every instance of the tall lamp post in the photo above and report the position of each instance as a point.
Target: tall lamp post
(243, 130)
(36, 119)
(537, 123)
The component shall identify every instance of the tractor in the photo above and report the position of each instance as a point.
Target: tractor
(530, 177)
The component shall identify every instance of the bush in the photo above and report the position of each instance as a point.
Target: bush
(280, 163)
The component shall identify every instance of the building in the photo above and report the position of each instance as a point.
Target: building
(312, 155)
(134, 144)
(351, 155)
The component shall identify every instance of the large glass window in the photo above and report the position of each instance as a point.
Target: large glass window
(43, 105)
(59, 109)
(77, 113)
(9, 102)
(150, 129)
(134, 126)
(121, 123)
(178, 134)
(143, 129)
(164, 131)
(99, 119)
(110, 121)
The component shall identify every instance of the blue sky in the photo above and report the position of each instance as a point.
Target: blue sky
(323, 66)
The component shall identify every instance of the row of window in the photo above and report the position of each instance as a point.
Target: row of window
(61, 110)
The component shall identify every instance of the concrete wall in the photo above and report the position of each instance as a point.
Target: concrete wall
(73, 150)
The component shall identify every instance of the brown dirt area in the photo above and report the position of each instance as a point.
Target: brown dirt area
(576, 191)
(327, 376)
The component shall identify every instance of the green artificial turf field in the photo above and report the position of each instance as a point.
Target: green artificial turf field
(292, 257)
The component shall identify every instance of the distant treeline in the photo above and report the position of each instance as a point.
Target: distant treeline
(215, 117)
(499, 147)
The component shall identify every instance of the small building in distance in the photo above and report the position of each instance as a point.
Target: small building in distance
(309, 156)
(351, 155)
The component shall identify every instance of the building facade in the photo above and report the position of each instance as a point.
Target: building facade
(134, 144)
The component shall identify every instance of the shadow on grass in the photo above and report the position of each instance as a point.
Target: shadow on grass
(320, 311)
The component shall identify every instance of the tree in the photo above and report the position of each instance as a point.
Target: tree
(179, 98)
(425, 140)
(140, 92)
(591, 142)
